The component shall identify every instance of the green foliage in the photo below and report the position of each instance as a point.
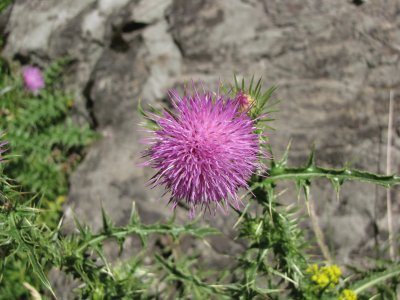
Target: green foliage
(381, 282)
(81, 255)
(45, 146)
(48, 145)
(276, 246)
(4, 4)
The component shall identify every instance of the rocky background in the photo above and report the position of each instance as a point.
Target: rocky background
(333, 61)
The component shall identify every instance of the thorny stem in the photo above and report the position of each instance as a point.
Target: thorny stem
(340, 175)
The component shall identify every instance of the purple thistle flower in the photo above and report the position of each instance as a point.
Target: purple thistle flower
(33, 79)
(205, 151)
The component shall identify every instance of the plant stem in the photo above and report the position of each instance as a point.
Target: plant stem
(388, 164)
(319, 235)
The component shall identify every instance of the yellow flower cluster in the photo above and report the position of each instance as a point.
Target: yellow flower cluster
(325, 276)
(348, 295)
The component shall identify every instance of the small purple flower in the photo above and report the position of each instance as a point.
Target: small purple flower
(33, 79)
(205, 151)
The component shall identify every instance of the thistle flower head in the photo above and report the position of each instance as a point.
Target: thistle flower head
(33, 79)
(204, 151)
(245, 101)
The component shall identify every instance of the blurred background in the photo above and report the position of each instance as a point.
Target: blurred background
(334, 63)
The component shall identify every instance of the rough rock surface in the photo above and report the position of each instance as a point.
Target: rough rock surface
(334, 63)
